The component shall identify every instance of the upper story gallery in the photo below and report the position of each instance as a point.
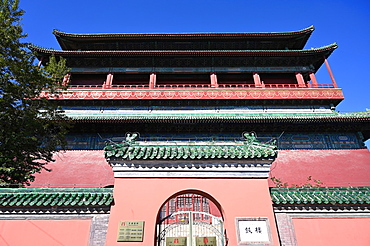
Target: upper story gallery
(194, 66)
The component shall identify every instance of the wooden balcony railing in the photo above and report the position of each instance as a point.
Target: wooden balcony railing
(199, 86)
(85, 86)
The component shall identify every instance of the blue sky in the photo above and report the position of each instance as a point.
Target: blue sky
(344, 22)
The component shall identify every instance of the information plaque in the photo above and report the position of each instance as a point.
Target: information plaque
(130, 231)
(206, 241)
(175, 241)
(253, 231)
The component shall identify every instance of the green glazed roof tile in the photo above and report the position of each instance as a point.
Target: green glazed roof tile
(31, 201)
(56, 199)
(94, 199)
(49, 199)
(104, 199)
(320, 195)
(88, 199)
(75, 199)
(109, 201)
(42, 197)
(28, 199)
(14, 200)
(186, 150)
(245, 117)
(63, 199)
(102, 196)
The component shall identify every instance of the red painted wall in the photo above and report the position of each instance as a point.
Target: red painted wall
(36, 232)
(236, 198)
(336, 167)
(332, 167)
(82, 169)
(334, 232)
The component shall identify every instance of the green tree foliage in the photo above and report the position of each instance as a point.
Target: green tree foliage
(31, 127)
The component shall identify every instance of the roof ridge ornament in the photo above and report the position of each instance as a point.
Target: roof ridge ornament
(132, 148)
(250, 137)
(246, 158)
(131, 137)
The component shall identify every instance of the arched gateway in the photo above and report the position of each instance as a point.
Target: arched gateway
(190, 217)
(191, 192)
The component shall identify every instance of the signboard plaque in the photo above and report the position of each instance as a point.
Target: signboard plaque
(253, 231)
(130, 231)
(175, 241)
(206, 241)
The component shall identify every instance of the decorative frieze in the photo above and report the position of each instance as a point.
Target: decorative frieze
(87, 93)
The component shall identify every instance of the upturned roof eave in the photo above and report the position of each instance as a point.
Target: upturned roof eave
(325, 50)
(98, 36)
(292, 40)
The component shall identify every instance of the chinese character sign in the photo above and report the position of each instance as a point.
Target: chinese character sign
(206, 241)
(130, 231)
(175, 241)
(253, 230)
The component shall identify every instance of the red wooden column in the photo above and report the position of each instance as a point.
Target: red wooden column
(313, 79)
(331, 73)
(300, 80)
(214, 83)
(108, 81)
(257, 80)
(152, 81)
